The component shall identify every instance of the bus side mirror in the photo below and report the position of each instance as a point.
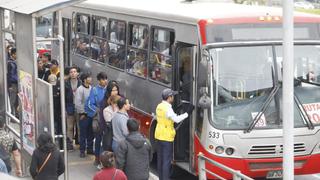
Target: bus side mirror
(205, 100)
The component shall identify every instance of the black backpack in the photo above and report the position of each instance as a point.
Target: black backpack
(5, 156)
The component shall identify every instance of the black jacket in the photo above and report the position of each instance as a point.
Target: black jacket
(70, 108)
(134, 155)
(53, 168)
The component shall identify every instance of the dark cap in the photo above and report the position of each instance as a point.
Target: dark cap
(168, 92)
(55, 62)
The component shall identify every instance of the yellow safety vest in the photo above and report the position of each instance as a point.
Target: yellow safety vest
(165, 130)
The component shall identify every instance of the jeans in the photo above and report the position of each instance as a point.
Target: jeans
(86, 134)
(97, 144)
(164, 158)
(114, 146)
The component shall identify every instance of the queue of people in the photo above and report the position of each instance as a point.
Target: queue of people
(117, 144)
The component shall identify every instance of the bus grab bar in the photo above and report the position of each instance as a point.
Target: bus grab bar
(202, 169)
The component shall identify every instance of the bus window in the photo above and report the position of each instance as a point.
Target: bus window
(138, 49)
(82, 44)
(117, 39)
(100, 26)
(99, 49)
(137, 62)
(117, 32)
(138, 36)
(83, 23)
(162, 41)
(160, 66)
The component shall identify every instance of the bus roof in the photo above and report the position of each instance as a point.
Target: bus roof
(180, 11)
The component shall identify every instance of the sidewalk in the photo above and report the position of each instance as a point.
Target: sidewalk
(82, 168)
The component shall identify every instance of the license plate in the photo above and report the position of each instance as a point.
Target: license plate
(274, 174)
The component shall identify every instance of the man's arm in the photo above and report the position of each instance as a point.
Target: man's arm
(174, 117)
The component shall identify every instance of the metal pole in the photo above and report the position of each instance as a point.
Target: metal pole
(62, 95)
(201, 167)
(287, 91)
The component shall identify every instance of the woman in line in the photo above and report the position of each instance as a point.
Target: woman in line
(47, 162)
(108, 114)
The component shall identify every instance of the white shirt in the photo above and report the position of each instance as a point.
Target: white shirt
(173, 116)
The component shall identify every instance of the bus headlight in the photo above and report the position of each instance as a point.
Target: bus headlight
(229, 151)
(219, 150)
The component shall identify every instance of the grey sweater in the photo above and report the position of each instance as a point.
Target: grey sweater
(119, 126)
(81, 96)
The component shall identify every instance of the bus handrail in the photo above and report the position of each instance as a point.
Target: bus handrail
(237, 175)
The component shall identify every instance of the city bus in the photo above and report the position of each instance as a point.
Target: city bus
(223, 58)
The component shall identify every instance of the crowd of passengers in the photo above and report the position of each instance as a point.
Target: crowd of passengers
(97, 122)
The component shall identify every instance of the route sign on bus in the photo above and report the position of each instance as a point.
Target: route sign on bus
(261, 122)
(313, 112)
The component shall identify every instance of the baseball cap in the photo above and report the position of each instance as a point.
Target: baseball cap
(168, 92)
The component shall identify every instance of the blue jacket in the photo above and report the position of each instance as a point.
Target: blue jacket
(12, 72)
(70, 108)
(94, 99)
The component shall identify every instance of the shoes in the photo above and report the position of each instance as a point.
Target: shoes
(96, 162)
(90, 152)
(82, 155)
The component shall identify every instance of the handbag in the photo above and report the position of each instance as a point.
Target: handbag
(43, 164)
(96, 118)
(115, 174)
(95, 123)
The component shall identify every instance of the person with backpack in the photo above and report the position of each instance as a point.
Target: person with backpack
(47, 162)
(134, 153)
(86, 135)
(9, 146)
(92, 108)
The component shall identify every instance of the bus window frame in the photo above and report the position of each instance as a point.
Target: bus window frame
(76, 32)
(89, 24)
(98, 37)
(151, 51)
(119, 44)
(93, 25)
(147, 50)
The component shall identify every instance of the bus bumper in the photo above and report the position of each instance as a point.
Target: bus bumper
(257, 167)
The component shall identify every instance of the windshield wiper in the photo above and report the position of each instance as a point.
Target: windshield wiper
(303, 112)
(263, 109)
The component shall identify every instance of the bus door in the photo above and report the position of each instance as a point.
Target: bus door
(183, 83)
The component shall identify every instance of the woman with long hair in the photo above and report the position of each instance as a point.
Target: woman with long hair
(47, 162)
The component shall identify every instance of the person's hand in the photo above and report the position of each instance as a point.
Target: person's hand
(190, 108)
(19, 172)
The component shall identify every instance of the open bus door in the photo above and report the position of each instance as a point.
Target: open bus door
(185, 55)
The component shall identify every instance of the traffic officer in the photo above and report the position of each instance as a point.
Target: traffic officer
(165, 132)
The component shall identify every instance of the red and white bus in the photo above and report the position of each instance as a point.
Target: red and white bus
(224, 58)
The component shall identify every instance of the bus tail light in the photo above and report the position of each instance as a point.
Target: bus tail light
(219, 150)
(229, 151)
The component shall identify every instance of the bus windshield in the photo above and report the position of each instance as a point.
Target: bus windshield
(244, 80)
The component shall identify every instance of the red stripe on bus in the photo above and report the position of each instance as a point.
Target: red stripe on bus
(143, 118)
